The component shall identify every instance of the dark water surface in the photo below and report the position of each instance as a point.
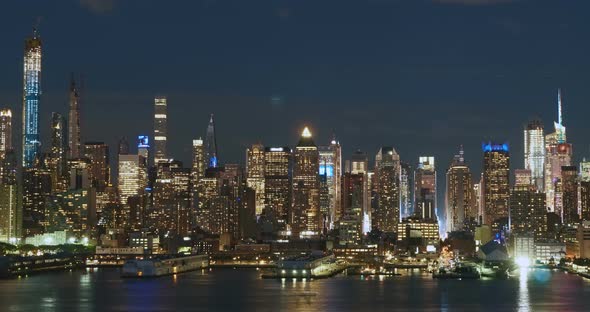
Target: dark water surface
(243, 290)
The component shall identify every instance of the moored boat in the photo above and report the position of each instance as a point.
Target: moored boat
(161, 266)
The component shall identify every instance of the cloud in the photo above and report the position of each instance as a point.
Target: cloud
(98, 6)
(474, 2)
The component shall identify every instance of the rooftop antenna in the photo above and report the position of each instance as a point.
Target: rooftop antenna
(559, 118)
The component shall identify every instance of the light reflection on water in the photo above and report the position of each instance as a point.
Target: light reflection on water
(239, 290)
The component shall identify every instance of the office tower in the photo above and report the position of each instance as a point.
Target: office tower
(172, 198)
(527, 206)
(74, 140)
(100, 171)
(534, 152)
(359, 164)
(387, 177)
(211, 145)
(5, 131)
(73, 211)
(31, 97)
(277, 184)
(160, 129)
(406, 184)
(255, 162)
(79, 172)
(354, 193)
(568, 189)
(10, 214)
(123, 146)
(331, 171)
(584, 190)
(558, 154)
(477, 193)
(459, 196)
(36, 190)
(496, 184)
(132, 176)
(425, 188)
(57, 162)
(306, 196)
(143, 147)
(199, 162)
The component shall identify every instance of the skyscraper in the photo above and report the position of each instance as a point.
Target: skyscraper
(58, 163)
(5, 131)
(496, 184)
(199, 162)
(74, 144)
(98, 155)
(331, 171)
(255, 163)
(527, 206)
(143, 147)
(387, 176)
(211, 145)
(459, 196)
(406, 184)
(306, 196)
(277, 183)
(132, 176)
(568, 189)
(31, 97)
(10, 214)
(425, 188)
(534, 152)
(558, 154)
(160, 129)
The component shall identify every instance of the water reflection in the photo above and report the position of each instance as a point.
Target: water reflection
(524, 304)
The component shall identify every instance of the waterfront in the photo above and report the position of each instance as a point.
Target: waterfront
(243, 290)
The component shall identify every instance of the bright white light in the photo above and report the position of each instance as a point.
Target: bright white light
(522, 262)
(72, 240)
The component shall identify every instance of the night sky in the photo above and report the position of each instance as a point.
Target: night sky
(423, 76)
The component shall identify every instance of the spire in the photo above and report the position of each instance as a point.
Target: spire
(461, 154)
(559, 118)
(306, 133)
(211, 144)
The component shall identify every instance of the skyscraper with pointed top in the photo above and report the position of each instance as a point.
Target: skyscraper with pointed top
(211, 145)
(459, 195)
(306, 193)
(31, 98)
(74, 122)
(558, 154)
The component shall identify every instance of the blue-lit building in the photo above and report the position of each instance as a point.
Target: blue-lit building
(496, 184)
(31, 96)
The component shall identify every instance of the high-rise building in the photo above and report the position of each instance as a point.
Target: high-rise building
(160, 129)
(10, 214)
(100, 171)
(568, 190)
(74, 141)
(31, 97)
(425, 188)
(211, 145)
(172, 198)
(331, 171)
(584, 190)
(496, 184)
(359, 164)
(58, 162)
(406, 185)
(459, 196)
(36, 190)
(132, 176)
(306, 192)
(277, 184)
(123, 146)
(387, 176)
(534, 152)
(354, 193)
(5, 131)
(527, 206)
(143, 147)
(255, 163)
(199, 162)
(558, 154)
